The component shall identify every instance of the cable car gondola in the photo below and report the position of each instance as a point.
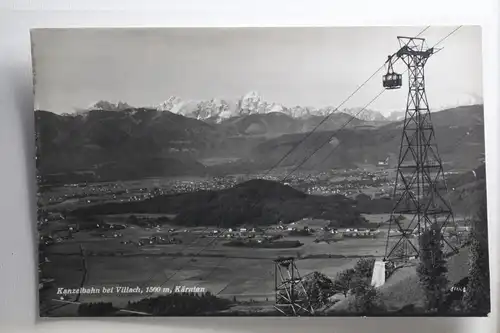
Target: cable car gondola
(392, 80)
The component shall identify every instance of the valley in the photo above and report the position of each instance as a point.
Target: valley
(171, 253)
(192, 202)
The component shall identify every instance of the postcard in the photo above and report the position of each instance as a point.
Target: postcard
(294, 171)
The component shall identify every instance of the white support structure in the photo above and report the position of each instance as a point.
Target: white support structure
(378, 276)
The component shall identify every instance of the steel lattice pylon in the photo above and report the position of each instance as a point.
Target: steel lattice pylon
(291, 296)
(420, 183)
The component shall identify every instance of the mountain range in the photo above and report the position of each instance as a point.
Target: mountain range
(127, 142)
(459, 135)
(218, 110)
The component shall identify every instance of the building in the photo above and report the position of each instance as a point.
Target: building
(384, 162)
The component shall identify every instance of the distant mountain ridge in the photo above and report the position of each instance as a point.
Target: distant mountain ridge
(124, 144)
(218, 110)
(396, 116)
(145, 142)
(459, 135)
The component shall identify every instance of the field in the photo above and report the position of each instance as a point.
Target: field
(201, 260)
(238, 273)
(115, 258)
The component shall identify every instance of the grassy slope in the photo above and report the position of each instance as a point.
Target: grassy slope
(403, 288)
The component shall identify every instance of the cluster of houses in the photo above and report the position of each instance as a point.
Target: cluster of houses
(158, 240)
(45, 217)
(292, 229)
(361, 232)
(48, 240)
(241, 232)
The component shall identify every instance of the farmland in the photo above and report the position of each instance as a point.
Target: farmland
(201, 260)
(151, 249)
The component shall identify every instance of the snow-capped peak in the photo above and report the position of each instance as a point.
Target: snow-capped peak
(170, 104)
(251, 103)
(366, 114)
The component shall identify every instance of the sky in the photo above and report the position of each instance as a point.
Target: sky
(317, 67)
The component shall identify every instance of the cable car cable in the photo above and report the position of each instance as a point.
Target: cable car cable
(298, 144)
(329, 114)
(332, 136)
(295, 147)
(309, 134)
(353, 117)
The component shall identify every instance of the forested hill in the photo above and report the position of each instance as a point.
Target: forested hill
(256, 202)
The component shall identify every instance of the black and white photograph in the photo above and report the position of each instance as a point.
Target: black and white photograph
(283, 172)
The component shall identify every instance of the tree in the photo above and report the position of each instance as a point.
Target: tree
(342, 283)
(100, 309)
(319, 288)
(364, 268)
(181, 304)
(432, 271)
(401, 250)
(477, 295)
(366, 298)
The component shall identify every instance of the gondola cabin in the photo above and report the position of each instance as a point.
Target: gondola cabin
(392, 81)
